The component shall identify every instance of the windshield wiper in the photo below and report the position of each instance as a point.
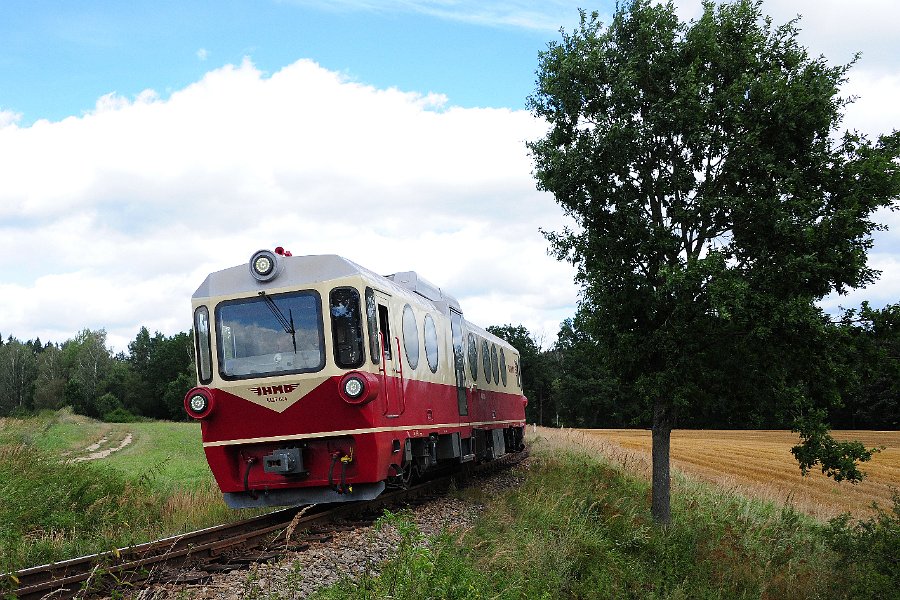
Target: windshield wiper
(286, 323)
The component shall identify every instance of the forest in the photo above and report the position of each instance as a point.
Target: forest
(568, 383)
(149, 381)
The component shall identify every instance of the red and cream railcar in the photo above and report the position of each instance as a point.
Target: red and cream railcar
(321, 381)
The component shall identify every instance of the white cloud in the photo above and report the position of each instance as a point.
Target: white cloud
(202, 54)
(877, 107)
(8, 117)
(547, 15)
(839, 29)
(113, 218)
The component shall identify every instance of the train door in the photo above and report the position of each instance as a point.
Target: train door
(391, 366)
(459, 362)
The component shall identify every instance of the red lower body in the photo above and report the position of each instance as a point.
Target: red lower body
(322, 449)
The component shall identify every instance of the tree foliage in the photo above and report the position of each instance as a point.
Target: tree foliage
(870, 362)
(18, 366)
(537, 373)
(82, 372)
(715, 203)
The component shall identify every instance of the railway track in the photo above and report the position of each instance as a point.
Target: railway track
(214, 549)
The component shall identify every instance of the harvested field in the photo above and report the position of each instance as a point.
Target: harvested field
(755, 463)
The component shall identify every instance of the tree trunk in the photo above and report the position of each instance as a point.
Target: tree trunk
(662, 430)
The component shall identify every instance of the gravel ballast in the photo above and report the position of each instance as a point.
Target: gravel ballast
(350, 550)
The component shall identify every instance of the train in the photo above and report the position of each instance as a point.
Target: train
(321, 381)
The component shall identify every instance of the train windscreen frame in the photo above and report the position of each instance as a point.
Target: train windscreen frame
(270, 335)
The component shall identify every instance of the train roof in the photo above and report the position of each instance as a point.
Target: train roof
(300, 271)
(303, 271)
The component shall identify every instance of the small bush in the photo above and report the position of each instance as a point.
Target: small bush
(868, 552)
(121, 415)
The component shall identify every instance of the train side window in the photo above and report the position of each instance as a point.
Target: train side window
(346, 328)
(372, 318)
(431, 344)
(204, 355)
(503, 367)
(495, 364)
(486, 360)
(518, 375)
(385, 328)
(410, 336)
(473, 357)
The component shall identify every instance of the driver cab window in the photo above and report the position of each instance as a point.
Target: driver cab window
(346, 328)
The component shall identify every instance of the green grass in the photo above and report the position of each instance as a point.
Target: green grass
(577, 527)
(53, 509)
(580, 528)
(170, 455)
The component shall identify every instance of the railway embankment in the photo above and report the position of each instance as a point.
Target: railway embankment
(570, 522)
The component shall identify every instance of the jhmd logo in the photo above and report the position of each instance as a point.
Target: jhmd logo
(272, 390)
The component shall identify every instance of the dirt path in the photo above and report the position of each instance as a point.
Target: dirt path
(96, 453)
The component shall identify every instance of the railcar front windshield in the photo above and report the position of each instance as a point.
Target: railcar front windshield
(268, 335)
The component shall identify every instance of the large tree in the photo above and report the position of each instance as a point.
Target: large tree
(158, 362)
(715, 203)
(88, 361)
(18, 369)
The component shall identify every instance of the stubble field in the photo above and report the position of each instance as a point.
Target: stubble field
(757, 464)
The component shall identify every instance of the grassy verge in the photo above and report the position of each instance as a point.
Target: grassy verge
(580, 528)
(53, 509)
(169, 454)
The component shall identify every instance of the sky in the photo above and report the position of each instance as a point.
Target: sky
(148, 143)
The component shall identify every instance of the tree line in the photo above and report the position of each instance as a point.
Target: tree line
(150, 380)
(571, 383)
(567, 384)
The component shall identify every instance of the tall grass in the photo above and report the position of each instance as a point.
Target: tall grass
(578, 527)
(52, 509)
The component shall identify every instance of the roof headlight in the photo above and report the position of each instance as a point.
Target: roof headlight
(264, 265)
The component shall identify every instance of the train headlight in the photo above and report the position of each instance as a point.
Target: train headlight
(354, 387)
(198, 403)
(358, 387)
(264, 265)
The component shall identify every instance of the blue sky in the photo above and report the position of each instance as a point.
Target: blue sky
(145, 144)
(58, 58)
